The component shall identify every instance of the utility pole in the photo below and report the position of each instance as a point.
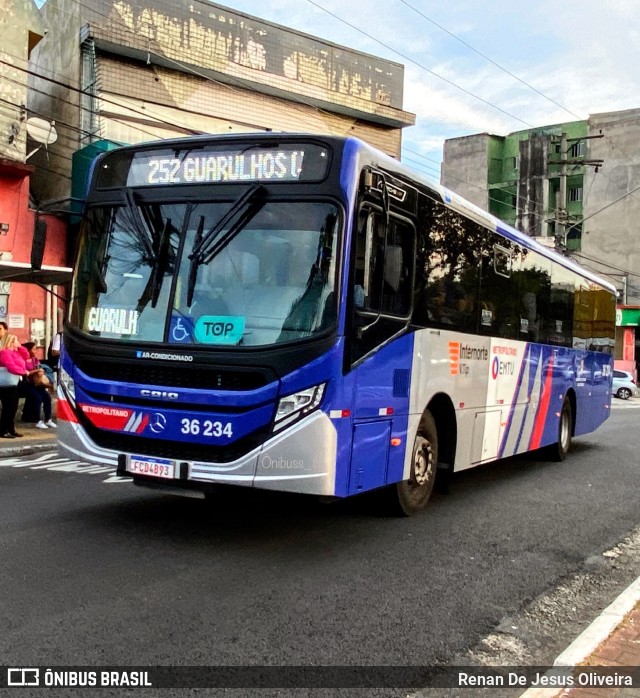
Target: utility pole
(561, 204)
(561, 215)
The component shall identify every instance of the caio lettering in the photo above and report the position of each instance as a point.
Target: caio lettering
(159, 394)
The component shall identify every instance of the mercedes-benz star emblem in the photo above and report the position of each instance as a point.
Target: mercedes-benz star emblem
(157, 423)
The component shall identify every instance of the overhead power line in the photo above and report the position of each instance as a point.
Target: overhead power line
(489, 59)
(420, 65)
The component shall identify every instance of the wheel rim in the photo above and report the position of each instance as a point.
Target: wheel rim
(423, 463)
(624, 393)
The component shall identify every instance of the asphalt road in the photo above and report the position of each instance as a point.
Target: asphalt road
(95, 571)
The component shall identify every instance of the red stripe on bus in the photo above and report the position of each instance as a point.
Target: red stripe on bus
(65, 412)
(543, 408)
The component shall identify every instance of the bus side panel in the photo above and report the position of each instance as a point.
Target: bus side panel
(458, 367)
(546, 376)
(593, 374)
(380, 413)
(523, 404)
(556, 377)
(370, 455)
(507, 394)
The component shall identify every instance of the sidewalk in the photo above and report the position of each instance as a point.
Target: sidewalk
(612, 640)
(32, 441)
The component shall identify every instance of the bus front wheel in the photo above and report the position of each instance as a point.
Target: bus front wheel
(412, 495)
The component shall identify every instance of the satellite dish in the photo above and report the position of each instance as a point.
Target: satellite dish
(41, 130)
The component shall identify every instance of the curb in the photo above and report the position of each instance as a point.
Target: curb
(592, 637)
(27, 449)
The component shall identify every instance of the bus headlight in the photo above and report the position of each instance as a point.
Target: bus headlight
(67, 383)
(296, 406)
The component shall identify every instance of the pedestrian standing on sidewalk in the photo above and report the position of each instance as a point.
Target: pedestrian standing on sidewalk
(36, 392)
(14, 358)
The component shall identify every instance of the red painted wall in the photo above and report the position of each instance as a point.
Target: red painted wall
(27, 300)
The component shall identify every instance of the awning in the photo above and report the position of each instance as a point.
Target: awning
(22, 272)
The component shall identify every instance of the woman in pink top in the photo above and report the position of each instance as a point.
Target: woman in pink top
(14, 358)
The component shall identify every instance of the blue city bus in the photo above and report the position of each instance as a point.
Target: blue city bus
(306, 314)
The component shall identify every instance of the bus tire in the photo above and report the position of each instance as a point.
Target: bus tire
(412, 496)
(558, 451)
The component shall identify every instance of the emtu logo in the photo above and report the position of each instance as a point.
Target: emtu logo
(454, 358)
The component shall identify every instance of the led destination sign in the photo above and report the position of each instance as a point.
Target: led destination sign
(166, 167)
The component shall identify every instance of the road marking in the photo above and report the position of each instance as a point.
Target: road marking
(17, 460)
(56, 463)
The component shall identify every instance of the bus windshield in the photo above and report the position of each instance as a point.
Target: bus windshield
(249, 272)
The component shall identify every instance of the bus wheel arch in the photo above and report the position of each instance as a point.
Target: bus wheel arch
(444, 414)
(434, 441)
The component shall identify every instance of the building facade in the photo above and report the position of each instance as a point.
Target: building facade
(123, 72)
(576, 186)
(532, 179)
(29, 309)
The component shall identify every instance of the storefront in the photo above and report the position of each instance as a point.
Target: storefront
(627, 352)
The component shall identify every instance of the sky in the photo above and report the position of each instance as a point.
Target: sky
(483, 66)
(474, 66)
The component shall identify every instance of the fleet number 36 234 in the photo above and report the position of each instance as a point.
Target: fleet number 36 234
(206, 427)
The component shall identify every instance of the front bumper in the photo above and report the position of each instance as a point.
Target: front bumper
(299, 459)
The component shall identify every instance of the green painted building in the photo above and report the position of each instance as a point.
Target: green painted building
(574, 186)
(532, 179)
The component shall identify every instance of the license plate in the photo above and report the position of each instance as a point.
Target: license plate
(152, 467)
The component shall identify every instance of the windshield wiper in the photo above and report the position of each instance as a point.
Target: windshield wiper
(160, 263)
(156, 248)
(193, 268)
(158, 269)
(142, 231)
(208, 245)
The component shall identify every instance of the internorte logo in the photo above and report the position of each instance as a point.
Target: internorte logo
(454, 358)
(460, 353)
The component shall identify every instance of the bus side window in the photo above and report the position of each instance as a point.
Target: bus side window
(499, 312)
(398, 270)
(384, 265)
(383, 279)
(360, 276)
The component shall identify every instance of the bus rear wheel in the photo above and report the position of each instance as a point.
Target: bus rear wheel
(411, 496)
(558, 451)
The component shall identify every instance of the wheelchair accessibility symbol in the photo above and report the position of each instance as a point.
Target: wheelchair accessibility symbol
(179, 332)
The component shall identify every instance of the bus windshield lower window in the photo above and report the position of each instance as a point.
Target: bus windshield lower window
(272, 280)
